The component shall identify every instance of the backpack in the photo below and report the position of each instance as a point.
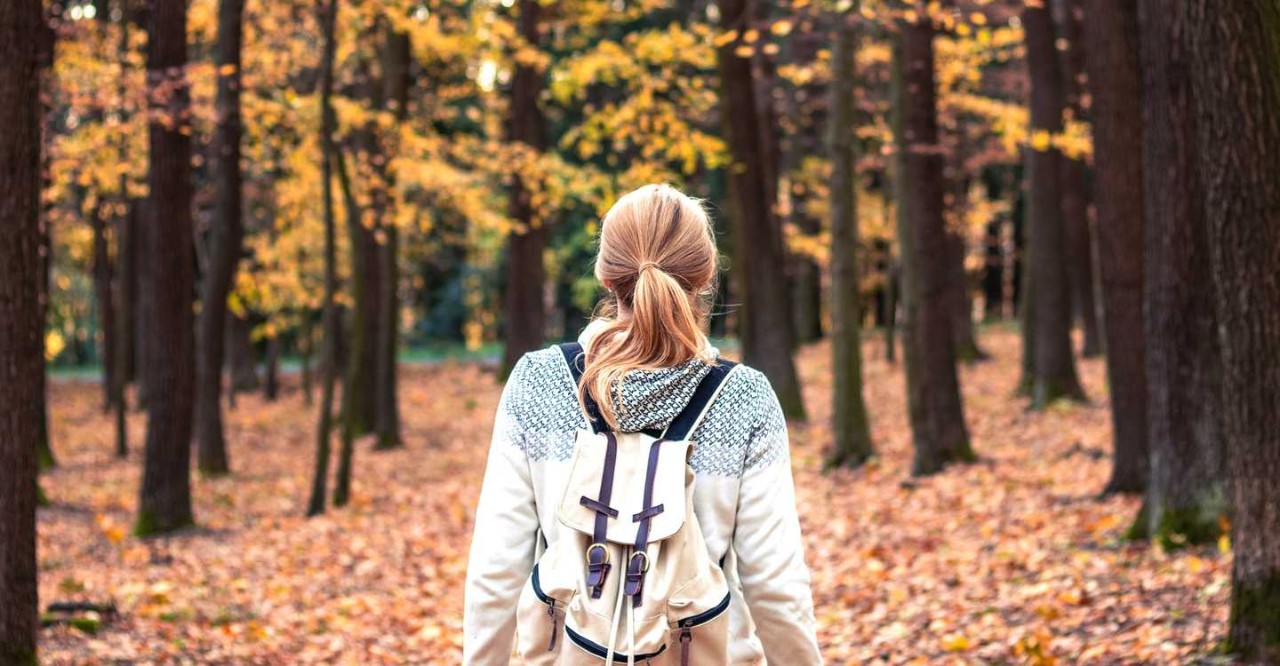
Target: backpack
(629, 579)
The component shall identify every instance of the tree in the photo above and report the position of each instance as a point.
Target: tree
(1053, 371)
(1074, 177)
(1237, 94)
(850, 430)
(759, 258)
(21, 326)
(1111, 37)
(165, 502)
(332, 323)
(1185, 496)
(933, 390)
(525, 311)
(225, 238)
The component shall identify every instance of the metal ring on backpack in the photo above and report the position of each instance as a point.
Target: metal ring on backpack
(643, 554)
(601, 547)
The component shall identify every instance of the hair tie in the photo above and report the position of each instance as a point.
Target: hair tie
(644, 266)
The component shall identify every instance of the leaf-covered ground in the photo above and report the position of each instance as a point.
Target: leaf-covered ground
(1010, 560)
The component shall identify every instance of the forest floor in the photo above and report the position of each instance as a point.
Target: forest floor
(1011, 560)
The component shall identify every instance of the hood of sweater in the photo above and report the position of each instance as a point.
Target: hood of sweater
(652, 399)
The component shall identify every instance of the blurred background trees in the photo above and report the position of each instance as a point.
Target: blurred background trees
(232, 189)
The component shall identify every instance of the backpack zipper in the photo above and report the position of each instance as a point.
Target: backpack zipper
(551, 607)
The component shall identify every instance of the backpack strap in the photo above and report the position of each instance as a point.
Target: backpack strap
(688, 419)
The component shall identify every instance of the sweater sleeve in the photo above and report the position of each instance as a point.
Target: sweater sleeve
(770, 553)
(503, 543)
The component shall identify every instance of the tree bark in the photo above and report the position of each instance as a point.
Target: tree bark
(1075, 193)
(102, 278)
(851, 430)
(165, 499)
(1186, 496)
(936, 413)
(124, 294)
(226, 237)
(1053, 368)
(395, 94)
(21, 326)
(240, 355)
(759, 258)
(1111, 43)
(332, 323)
(1235, 71)
(525, 311)
(271, 386)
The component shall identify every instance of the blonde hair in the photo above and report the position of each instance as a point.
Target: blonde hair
(658, 255)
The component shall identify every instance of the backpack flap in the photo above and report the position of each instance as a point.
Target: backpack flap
(580, 506)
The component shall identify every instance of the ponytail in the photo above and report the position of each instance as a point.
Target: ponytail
(658, 253)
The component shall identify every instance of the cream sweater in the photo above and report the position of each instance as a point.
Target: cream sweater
(744, 499)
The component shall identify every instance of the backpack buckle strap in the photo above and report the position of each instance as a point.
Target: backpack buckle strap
(637, 567)
(598, 566)
(646, 514)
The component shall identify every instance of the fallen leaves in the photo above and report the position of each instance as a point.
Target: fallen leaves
(1012, 560)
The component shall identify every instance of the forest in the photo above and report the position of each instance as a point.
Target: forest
(1011, 266)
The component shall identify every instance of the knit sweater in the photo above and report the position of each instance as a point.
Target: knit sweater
(744, 499)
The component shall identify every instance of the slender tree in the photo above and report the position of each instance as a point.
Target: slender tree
(850, 429)
(103, 276)
(21, 326)
(1053, 371)
(395, 96)
(759, 259)
(225, 239)
(525, 313)
(1074, 177)
(332, 323)
(1115, 78)
(165, 502)
(1185, 497)
(936, 413)
(1235, 71)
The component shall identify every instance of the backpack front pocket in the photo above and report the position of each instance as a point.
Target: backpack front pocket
(700, 636)
(538, 640)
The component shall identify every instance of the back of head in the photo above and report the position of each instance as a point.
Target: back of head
(658, 257)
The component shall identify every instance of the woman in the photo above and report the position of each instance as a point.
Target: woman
(643, 362)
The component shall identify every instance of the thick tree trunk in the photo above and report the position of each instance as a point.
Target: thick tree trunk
(165, 499)
(1115, 77)
(21, 326)
(225, 240)
(526, 316)
(1235, 70)
(1186, 496)
(1053, 368)
(759, 258)
(933, 390)
(332, 322)
(1073, 180)
(851, 430)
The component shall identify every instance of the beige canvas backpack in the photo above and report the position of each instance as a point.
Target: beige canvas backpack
(629, 579)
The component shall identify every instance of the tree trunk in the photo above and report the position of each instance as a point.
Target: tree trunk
(102, 278)
(21, 326)
(1186, 496)
(1235, 70)
(1075, 194)
(959, 301)
(240, 354)
(759, 258)
(226, 236)
(851, 430)
(271, 387)
(144, 310)
(933, 390)
(357, 386)
(395, 93)
(1053, 368)
(525, 311)
(306, 350)
(124, 293)
(332, 324)
(165, 501)
(993, 272)
(1115, 77)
